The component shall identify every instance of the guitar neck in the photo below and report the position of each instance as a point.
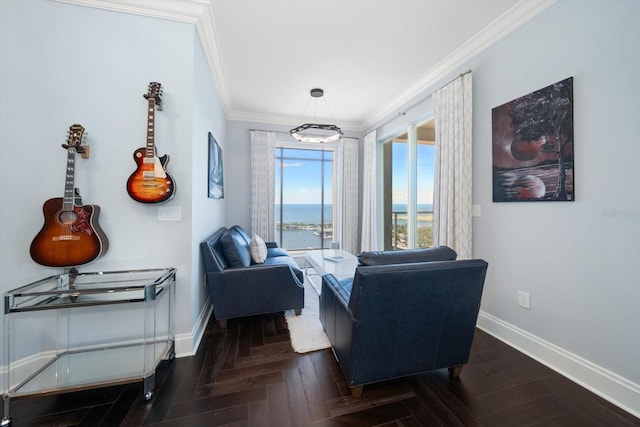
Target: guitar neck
(69, 181)
(150, 150)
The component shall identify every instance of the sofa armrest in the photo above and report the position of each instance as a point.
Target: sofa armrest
(333, 286)
(337, 320)
(237, 292)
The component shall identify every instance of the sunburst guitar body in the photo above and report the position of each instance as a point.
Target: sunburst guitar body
(150, 182)
(71, 235)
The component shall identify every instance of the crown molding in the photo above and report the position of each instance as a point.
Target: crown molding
(499, 28)
(209, 40)
(174, 10)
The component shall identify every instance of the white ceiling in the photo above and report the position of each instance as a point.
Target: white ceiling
(369, 56)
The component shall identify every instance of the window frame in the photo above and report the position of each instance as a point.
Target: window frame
(329, 146)
(410, 128)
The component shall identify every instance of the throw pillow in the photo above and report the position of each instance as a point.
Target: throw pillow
(235, 250)
(258, 249)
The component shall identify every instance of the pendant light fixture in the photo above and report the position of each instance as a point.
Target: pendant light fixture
(321, 132)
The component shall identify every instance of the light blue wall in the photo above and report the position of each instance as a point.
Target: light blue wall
(207, 215)
(63, 64)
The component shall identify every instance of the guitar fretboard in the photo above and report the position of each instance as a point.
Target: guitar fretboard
(69, 181)
(150, 150)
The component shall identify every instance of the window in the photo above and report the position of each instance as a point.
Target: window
(304, 207)
(408, 165)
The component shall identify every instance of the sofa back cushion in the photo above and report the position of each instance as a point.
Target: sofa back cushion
(439, 253)
(242, 233)
(235, 249)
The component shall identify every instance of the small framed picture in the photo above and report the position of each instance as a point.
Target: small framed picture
(216, 175)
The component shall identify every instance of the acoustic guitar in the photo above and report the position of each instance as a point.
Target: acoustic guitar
(71, 235)
(150, 182)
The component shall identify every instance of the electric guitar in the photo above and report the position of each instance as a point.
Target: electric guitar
(71, 235)
(151, 183)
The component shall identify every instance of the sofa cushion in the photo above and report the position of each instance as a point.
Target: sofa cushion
(258, 249)
(439, 253)
(274, 252)
(345, 288)
(279, 260)
(235, 249)
(242, 232)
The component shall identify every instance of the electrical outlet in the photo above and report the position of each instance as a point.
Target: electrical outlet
(524, 300)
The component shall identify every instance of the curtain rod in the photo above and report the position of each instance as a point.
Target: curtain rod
(414, 105)
(287, 133)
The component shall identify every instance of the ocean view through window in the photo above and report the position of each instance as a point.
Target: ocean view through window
(304, 198)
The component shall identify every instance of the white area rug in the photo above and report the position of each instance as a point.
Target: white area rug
(306, 330)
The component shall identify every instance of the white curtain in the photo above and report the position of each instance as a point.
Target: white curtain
(452, 187)
(263, 150)
(347, 227)
(369, 201)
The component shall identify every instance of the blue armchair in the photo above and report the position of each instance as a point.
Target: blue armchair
(404, 318)
(240, 287)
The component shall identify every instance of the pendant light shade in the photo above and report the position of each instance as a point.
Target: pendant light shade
(320, 133)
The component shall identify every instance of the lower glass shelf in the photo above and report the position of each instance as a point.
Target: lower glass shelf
(94, 367)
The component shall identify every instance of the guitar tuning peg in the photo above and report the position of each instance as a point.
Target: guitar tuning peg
(65, 146)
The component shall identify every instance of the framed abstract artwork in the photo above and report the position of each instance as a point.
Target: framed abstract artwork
(216, 176)
(532, 139)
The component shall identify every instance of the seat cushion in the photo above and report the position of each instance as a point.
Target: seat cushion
(235, 249)
(274, 252)
(345, 288)
(439, 253)
(278, 260)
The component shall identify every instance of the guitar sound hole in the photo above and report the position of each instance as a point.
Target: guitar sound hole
(67, 217)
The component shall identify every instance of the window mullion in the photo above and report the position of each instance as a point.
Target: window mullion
(412, 177)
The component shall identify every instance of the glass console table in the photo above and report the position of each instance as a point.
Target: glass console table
(83, 330)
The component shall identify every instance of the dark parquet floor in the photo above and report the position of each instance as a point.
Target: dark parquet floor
(248, 375)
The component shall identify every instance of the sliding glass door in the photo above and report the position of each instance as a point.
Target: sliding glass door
(408, 163)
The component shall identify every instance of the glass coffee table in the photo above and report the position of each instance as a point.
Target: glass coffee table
(337, 262)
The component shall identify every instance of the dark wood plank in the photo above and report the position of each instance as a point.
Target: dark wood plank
(370, 416)
(278, 408)
(314, 388)
(209, 404)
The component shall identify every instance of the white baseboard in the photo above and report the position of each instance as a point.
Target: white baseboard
(187, 344)
(606, 384)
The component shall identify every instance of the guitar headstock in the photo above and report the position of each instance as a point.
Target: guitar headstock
(74, 138)
(155, 92)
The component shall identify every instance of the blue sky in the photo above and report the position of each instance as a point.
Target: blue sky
(302, 176)
(424, 169)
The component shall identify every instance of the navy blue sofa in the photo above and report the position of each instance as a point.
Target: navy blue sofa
(239, 287)
(403, 313)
